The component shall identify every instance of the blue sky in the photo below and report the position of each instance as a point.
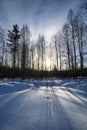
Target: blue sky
(42, 16)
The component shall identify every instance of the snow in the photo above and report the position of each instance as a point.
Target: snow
(56, 104)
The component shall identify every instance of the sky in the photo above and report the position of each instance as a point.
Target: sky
(42, 16)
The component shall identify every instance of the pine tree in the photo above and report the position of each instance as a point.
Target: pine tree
(13, 42)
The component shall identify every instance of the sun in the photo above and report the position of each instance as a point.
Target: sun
(48, 64)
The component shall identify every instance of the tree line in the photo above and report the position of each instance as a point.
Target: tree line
(67, 50)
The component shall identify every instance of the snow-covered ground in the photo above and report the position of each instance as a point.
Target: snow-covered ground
(56, 104)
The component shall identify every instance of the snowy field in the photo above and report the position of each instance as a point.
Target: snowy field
(56, 104)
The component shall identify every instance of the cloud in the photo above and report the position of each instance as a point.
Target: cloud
(43, 16)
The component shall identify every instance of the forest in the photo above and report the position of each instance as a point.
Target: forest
(65, 55)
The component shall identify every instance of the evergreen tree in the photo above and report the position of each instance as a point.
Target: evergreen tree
(13, 42)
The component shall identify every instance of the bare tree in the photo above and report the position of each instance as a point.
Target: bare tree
(32, 49)
(55, 40)
(41, 47)
(38, 46)
(72, 27)
(42, 51)
(66, 38)
(80, 32)
(83, 11)
(2, 44)
(60, 48)
(25, 40)
(50, 55)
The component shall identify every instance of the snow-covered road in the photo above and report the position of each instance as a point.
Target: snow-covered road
(47, 107)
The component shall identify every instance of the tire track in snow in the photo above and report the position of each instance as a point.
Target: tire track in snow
(58, 118)
(62, 120)
(37, 109)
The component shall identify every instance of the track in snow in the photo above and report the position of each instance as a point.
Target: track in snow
(43, 108)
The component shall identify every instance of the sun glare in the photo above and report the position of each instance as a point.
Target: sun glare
(48, 64)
